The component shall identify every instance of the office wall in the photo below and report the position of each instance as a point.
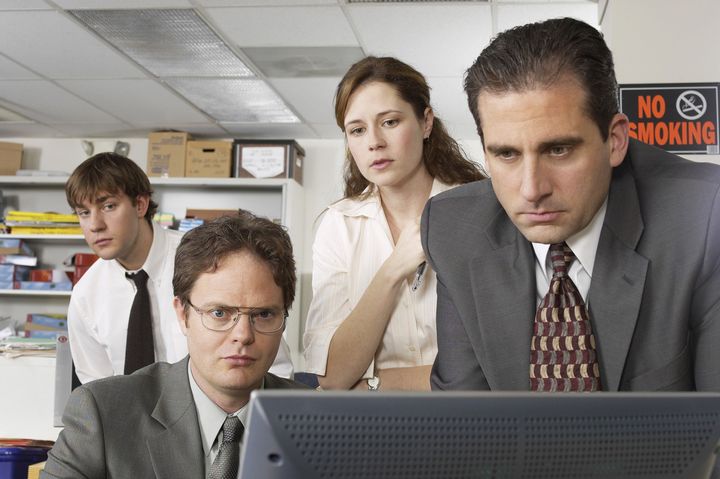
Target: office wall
(663, 41)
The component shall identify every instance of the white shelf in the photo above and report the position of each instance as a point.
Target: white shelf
(34, 292)
(189, 182)
(43, 237)
(33, 180)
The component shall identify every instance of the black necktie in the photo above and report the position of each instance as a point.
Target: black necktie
(139, 350)
(225, 465)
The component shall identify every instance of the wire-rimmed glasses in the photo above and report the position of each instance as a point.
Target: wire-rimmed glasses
(224, 318)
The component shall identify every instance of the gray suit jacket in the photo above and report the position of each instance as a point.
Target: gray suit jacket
(138, 426)
(654, 298)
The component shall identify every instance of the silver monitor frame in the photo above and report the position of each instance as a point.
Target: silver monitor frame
(307, 434)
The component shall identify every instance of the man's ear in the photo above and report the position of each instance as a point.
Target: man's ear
(142, 203)
(180, 314)
(618, 138)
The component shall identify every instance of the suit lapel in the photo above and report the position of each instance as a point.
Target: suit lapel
(177, 451)
(618, 278)
(506, 305)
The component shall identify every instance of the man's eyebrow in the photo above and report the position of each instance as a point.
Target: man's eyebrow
(495, 149)
(562, 141)
(559, 141)
(102, 199)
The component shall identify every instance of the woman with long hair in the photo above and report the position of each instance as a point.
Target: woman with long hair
(371, 325)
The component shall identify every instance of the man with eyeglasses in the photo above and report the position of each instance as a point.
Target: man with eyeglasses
(234, 281)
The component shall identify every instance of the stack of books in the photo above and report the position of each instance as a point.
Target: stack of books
(45, 325)
(32, 222)
(15, 251)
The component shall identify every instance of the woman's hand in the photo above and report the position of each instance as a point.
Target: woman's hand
(408, 252)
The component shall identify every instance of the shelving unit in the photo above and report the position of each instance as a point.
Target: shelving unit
(278, 199)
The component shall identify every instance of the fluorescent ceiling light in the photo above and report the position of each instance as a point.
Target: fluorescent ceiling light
(167, 43)
(235, 100)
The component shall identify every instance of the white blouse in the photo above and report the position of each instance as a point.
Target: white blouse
(352, 242)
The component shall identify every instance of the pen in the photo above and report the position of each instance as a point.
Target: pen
(419, 274)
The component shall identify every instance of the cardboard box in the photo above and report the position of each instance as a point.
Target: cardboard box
(166, 153)
(209, 215)
(268, 159)
(208, 159)
(10, 157)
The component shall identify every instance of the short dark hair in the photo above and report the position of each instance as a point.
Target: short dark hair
(442, 156)
(202, 249)
(539, 54)
(109, 173)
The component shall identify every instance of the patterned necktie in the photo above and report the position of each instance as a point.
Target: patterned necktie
(562, 349)
(225, 465)
(139, 350)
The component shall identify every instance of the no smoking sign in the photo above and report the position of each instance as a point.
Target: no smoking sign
(678, 118)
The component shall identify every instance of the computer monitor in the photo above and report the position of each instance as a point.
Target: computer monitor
(309, 434)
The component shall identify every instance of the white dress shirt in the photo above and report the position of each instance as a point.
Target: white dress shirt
(100, 306)
(352, 242)
(584, 244)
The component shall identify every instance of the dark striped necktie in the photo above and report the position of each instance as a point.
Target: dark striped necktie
(140, 347)
(562, 348)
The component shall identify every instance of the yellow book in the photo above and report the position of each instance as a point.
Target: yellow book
(39, 216)
(46, 230)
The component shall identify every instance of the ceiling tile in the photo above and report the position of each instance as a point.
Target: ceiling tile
(121, 4)
(429, 45)
(314, 26)
(312, 98)
(234, 99)
(175, 42)
(135, 100)
(24, 5)
(45, 102)
(32, 39)
(509, 16)
(263, 3)
(268, 130)
(299, 62)
(96, 130)
(28, 130)
(9, 70)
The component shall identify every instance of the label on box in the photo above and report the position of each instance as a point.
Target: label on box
(264, 161)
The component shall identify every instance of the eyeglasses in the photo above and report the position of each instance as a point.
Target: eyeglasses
(263, 320)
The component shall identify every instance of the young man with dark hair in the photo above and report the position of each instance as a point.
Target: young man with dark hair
(121, 316)
(588, 261)
(234, 281)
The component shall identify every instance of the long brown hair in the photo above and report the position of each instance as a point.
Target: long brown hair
(442, 156)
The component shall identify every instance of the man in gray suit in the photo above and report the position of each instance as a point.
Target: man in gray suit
(234, 281)
(637, 230)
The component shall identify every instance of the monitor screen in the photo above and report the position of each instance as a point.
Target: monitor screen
(308, 434)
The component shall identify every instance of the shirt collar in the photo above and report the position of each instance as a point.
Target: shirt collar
(370, 206)
(584, 243)
(210, 416)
